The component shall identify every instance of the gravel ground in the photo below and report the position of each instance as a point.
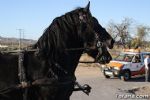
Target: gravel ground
(108, 89)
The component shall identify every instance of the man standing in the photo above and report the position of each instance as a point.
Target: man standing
(147, 68)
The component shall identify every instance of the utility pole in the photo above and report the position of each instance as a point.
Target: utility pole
(20, 33)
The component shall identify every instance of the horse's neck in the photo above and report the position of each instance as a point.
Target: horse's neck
(69, 61)
(39, 68)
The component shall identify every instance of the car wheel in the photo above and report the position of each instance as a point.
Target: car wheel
(106, 76)
(126, 76)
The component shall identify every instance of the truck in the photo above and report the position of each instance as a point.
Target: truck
(127, 64)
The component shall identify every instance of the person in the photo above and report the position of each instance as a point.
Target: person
(126, 58)
(147, 68)
(137, 59)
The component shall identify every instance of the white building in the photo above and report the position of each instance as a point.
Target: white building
(3, 46)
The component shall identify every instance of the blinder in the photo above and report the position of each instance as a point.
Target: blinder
(99, 44)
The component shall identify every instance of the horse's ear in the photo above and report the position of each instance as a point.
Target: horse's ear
(87, 8)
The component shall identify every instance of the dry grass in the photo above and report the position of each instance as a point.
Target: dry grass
(144, 90)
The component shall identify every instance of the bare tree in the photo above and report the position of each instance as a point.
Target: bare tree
(142, 33)
(120, 31)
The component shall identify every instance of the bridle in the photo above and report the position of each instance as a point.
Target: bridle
(99, 44)
(82, 18)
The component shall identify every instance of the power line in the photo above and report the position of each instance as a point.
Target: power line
(21, 32)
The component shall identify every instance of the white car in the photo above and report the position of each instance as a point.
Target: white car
(128, 63)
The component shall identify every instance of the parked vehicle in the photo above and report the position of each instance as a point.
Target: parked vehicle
(128, 63)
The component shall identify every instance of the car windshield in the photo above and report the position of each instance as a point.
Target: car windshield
(124, 57)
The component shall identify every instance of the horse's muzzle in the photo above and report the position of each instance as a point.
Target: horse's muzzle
(110, 43)
(104, 60)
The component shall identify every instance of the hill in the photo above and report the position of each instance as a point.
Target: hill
(4, 40)
(14, 42)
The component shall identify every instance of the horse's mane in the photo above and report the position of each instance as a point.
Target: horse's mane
(56, 37)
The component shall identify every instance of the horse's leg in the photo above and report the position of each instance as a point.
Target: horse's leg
(64, 92)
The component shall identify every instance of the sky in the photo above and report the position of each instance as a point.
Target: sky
(34, 16)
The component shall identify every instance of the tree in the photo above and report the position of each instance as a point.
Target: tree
(120, 32)
(134, 43)
(142, 32)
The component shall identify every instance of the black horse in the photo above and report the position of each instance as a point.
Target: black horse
(50, 70)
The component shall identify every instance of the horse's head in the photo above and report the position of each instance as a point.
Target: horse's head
(86, 25)
(104, 36)
(104, 40)
(94, 36)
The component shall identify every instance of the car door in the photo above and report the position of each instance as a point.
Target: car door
(136, 63)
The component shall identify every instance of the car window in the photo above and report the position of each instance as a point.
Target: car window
(120, 57)
(124, 57)
(136, 59)
(144, 55)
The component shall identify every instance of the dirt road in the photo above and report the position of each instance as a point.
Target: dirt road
(103, 89)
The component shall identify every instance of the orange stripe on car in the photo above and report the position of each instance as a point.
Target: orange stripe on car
(115, 64)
